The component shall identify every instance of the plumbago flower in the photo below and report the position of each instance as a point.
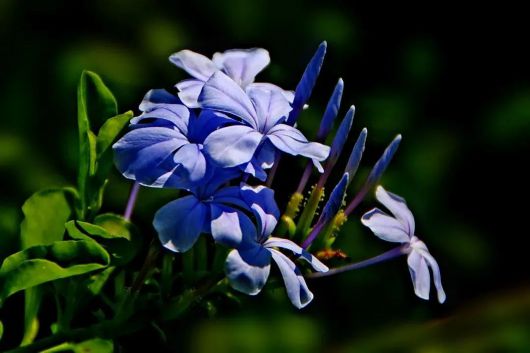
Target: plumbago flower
(164, 147)
(215, 209)
(248, 267)
(241, 65)
(400, 229)
(223, 128)
(261, 127)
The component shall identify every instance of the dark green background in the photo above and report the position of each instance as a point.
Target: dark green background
(453, 80)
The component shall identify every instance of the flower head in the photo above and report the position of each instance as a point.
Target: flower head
(400, 229)
(248, 266)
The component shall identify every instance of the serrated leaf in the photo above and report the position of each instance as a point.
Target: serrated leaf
(44, 263)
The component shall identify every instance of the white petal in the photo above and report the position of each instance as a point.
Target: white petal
(385, 227)
(398, 207)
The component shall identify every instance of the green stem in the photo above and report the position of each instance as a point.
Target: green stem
(120, 327)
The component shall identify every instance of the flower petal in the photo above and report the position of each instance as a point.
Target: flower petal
(437, 277)
(271, 107)
(289, 95)
(290, 140)
(165, 115)
(157, 97)
(385, 227)
(398, 206)
(295, 285)
(242, 65)
(232, 145)
(231, 227)
(419, 272)
(195, 64)
(189, 91)
(261, 201)
(144, 154)
(179, 223)
(248, 270)
(192, 161)
(307, 82)
(274, 242)
(222, 94)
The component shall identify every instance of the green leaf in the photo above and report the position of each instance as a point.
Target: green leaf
(110, 130)
(96, 345)
(119, 237)
(44, 263)
(95, 110)
(1, 330)
(45, 213)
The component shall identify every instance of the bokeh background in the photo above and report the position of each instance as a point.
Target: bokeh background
(454, 81)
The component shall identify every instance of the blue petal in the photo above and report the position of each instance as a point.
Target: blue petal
(398, 206)
(385, 227)
(222, 94)
(261, 201)
(242, 65)
(248, 270)
(155, 97)
(232, 145)
(307, 82)
(231, 195)
(289, 95)
(356, 155)
(208, 121)
(195, 64)
(271, 107)
(231, 227)
(340, 137)
(383, 162)
(298, 251)
(189, 91)
(295, 285)
(142, 154)
(335, 200)
(192, 161)
(290, 140)
(332, 109)
(180, 222)
(168, 115)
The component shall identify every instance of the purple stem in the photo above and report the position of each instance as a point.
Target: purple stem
(305, 177)
(398, 251)
(314, 232)
(132, 201)
(356, 200)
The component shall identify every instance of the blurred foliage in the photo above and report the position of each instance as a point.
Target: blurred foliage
(455, 84)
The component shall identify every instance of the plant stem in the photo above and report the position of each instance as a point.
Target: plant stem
(120, 327)
(132, 201)
(398, 251)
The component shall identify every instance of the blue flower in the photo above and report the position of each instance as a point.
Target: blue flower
(248, 266)
(241, 65)
(400, 229)
(165, 146)
(259, 116)
(215, 209)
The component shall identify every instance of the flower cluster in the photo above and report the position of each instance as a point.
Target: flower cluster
(219, 139)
